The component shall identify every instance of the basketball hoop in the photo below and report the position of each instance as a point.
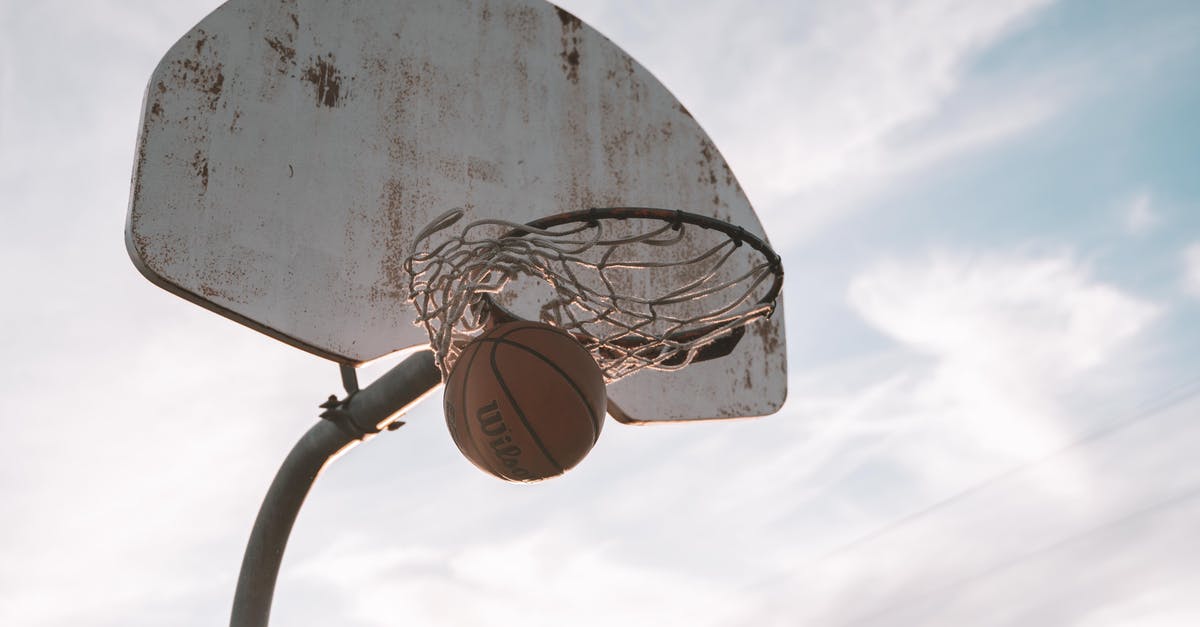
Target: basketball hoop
(637, 287)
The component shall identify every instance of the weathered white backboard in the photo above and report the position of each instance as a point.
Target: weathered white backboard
(290, 150)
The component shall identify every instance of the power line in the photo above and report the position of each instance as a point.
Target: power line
(1159, 506)
(1170, 399)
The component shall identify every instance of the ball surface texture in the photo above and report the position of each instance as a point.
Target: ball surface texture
(525, 401)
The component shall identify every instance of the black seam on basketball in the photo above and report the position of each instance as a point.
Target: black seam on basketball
(529, 325)
(468, 439)
(493, 459)
(595, 424)
(466, 413)
(517, 408)
(539, 326)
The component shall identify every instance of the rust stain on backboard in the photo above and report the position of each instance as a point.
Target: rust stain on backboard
(215, 88)
(200, 166)
(482, 170)
(570, 22)
(204, 78)
(395, 280)
(202, 72)
(286, 52)
(327, 80)
(768, 333)
(571, 37)
(523, 22)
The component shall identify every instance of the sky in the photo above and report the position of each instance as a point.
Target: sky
(990, 217)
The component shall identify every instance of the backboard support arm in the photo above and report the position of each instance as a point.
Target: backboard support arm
(345, 423)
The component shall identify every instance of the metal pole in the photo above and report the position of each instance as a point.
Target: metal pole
(357, 418)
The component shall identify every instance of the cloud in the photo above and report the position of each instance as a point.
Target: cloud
(820, 103)
(1139, 215)
(1005, 331)
(549, 576)
(1035, 315)
(965, 451)
(1191, 269)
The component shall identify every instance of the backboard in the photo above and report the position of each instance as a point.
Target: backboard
(290, 151)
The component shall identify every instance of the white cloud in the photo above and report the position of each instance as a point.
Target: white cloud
(547, 576)
(1139, 215)
(1005, 331)
(1028, 315)
(1191, 269)
(960, 450)
(807, 104)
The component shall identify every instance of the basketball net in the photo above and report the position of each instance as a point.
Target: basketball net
(638, 288)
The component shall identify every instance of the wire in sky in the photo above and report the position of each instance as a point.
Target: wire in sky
(1004, 565)
(1166, 401)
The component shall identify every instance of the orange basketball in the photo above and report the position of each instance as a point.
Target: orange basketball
(525, 401)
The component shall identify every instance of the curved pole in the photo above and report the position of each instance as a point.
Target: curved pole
(264, 551)
(358, 417)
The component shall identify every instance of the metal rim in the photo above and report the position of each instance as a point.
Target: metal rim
(739, 235)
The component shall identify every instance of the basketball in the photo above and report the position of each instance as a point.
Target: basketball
(525, 401)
